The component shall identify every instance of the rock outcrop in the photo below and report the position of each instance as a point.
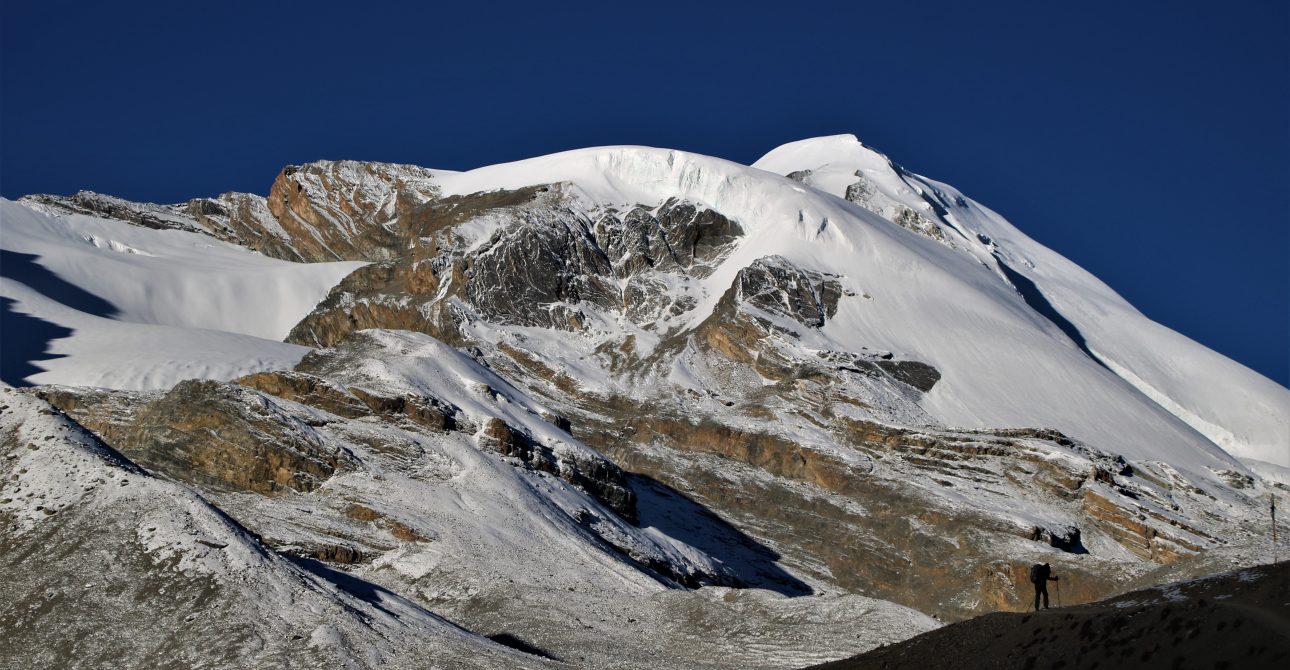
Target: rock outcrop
(386, 395)
(106, 565)
(533, 258)
(779, 288)
(210, 433)
(854, 524)
(865, 193)
(676, 236)
(349, 210)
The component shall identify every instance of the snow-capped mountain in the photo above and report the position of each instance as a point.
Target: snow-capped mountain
(507, 393)
(1234, 407)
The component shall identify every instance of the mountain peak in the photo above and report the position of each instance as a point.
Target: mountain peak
(815, 152)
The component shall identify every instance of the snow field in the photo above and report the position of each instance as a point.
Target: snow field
(149, 308)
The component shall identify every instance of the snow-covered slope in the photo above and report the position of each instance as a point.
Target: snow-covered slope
(1003, 362)
(99, 553)
(1238, 409)
(146, 308)
(489, 537)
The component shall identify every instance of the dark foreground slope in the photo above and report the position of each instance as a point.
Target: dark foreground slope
(1232, 620)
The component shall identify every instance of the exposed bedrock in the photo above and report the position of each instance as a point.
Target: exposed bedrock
(879, 525)
(778, 287)
(599, 477)
(532, 257)
(210, 433)
(676, 236)
(596, 475)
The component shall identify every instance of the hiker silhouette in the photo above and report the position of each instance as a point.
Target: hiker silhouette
(1040, 575)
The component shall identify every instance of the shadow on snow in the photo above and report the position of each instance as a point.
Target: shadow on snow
(26, 339)
(750, 563)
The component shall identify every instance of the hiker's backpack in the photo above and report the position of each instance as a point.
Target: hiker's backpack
(1034, 573)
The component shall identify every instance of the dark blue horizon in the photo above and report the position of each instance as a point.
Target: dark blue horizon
(1150, 143)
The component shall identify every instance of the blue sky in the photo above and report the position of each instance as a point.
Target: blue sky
(1148, 143)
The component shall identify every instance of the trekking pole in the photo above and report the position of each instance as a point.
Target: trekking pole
(1059, 593)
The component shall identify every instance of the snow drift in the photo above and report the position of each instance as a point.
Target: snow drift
(148, 308)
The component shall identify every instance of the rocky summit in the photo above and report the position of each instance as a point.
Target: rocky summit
(608, 408)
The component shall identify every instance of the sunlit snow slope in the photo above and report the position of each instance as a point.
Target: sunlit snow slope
(1240, 410)
(1132, 385)
(98, 302)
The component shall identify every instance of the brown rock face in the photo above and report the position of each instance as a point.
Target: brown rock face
(331, 553)
(314, 391)
(876, 525)
(245, 219)
(601, 478)
(1140, 532)
(336, 210)
(763, 296)
(396, 529)
(308, 390)
(544, 265)
(429, 413)
(360, 302)
(210, 433)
